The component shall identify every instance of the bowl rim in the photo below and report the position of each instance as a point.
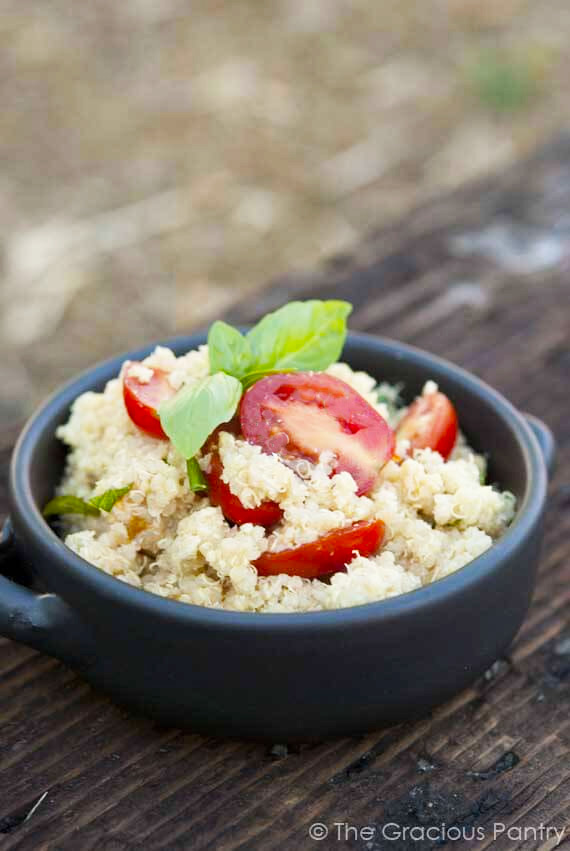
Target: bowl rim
(115, 591)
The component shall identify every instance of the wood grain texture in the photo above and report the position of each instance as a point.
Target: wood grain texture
(454, 278)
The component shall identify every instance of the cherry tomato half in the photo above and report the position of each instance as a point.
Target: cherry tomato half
(328, 554)
(299, 415)
(232, 507)
(142, 400)
(431, 423)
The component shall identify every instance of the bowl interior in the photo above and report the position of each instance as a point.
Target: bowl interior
(481, 418)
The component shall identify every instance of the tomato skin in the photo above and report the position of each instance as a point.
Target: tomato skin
(328, 554)
(143, 400)
(431, 423)
(233, 509)
(299, 415)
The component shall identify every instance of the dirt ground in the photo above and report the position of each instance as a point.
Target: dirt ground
(160, 160)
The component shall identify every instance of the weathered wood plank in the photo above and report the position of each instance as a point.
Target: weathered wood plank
(500, 751)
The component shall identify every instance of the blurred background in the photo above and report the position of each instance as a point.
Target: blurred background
(161, 160)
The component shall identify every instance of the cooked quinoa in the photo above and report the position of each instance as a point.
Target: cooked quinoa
(166, 539)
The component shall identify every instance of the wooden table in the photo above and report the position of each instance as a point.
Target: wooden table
(481, 277)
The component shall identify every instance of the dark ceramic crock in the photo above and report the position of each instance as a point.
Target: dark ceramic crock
(279, 676)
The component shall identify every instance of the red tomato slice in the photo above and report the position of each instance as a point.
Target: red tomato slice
(142, 400)
(328, 554)
(299, 415)
(431, 423)
(233, 509)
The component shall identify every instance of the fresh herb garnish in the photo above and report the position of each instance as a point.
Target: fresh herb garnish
(67, 504)
(107, 500)
(196, 477)
(191, 416)
(301, 335)
(229, 351)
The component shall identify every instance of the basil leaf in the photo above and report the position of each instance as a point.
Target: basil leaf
(196, 477)
(70, 505)
(191, 416)
(107, 500)
(228, 350)
(301, 335)
(75, 505)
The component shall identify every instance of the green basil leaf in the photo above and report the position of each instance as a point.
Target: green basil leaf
(69, 505)
(196, 477)
(228, 350)
(301, 335)
(107, 500)
(191, 416)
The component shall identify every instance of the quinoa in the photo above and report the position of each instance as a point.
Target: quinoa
(168, 540)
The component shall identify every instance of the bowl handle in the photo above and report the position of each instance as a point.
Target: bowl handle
(42, 621)
(545, 440)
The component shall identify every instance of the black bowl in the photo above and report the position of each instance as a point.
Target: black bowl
(280, 677)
